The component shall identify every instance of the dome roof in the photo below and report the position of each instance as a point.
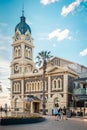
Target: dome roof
(22, 26)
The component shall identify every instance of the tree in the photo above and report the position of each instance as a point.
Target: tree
(43, 57)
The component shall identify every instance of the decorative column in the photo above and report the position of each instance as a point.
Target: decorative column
(50, 103)
(65, 83)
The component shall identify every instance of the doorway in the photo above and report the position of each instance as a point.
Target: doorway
(36, 107)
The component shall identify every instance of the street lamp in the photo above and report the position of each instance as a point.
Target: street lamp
(0, 88)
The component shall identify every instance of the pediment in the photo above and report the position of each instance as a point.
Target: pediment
(55, 69)
(58, 69)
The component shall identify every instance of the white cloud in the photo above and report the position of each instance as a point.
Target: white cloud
(4, 65)
(84, 52)
(4, 73)
(45, 2)
(60, 35)
(4, 99)
(70, 8)
(4, 39)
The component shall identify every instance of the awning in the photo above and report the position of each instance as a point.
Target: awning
(31, 98)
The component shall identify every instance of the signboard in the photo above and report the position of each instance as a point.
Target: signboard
(82, 97)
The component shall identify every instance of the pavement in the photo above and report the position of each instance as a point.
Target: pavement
(84, 118)
(77, 118)
(73, 123)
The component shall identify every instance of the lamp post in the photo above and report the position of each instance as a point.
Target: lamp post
(0, 88)
(43, 57)
(44, 102)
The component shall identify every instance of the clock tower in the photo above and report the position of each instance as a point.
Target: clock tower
(22, 62)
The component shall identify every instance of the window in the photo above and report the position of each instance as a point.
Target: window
(56, 84)
(59, 84)
(17, 51)
(28, 52)
(16, 87)
(27, 87)
(38, 86)
(32, 86)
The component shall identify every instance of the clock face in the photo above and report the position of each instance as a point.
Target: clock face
(16, 67)
(27, 37)
(17, 36)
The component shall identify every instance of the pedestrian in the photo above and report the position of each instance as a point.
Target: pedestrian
(64, 113)
(60, 113)
(55, 112)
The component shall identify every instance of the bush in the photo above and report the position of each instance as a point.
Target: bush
(20, 120)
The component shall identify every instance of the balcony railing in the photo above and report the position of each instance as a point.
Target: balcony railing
(79, 91)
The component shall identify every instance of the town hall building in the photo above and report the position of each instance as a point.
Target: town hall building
(27, 80)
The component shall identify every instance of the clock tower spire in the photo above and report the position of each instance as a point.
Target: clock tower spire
(22, 59)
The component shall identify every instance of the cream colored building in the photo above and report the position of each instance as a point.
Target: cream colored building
(26, 79)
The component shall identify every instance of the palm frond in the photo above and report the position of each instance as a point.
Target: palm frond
(42, 57)
(38, 57)
(49, 52)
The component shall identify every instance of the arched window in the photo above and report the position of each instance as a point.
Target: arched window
(55, 84)
(16, 52)
(26, 52)
(27, 87)
(59, 83)
(19, 51)
(29, 68)
(56, 101)
(38, 86)
(29, 53)
(16, 87)
(41, 86)
(32, 86)
(35, 85)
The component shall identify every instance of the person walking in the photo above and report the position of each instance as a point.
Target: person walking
(64, 113)
(60, 113)
(55, 112)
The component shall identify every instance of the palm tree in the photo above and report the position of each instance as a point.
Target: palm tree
(43, 57)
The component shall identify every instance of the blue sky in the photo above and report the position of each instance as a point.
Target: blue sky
(59, 26)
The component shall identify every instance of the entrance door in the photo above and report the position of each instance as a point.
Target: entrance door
(36, 107)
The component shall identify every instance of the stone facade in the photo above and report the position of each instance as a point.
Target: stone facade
(26, 79)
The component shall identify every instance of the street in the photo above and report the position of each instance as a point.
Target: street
(51, 124)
